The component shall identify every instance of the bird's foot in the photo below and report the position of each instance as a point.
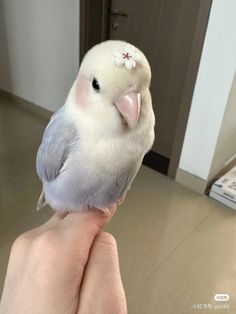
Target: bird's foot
(106, 211)
(109, 210)
(120, 200)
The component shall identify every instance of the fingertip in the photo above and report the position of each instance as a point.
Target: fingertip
(106, 239)
(104, 251)
(103, 273)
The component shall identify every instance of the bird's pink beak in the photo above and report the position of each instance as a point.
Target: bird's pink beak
(129, 107)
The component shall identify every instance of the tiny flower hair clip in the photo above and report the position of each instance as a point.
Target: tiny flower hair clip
(128, 56)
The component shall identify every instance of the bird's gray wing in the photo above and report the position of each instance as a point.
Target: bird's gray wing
(57, 143)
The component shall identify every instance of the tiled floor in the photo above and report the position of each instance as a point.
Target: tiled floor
(176, 248)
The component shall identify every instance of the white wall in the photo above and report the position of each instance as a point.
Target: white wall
(39, 51)
(226, 144)
(214, 80)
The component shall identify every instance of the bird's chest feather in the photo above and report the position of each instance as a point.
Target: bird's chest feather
(111, 155)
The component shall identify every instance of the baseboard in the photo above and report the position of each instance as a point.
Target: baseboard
(198, 184)
(26, 105)
(229, 165)
(191, 181)
(156, 162)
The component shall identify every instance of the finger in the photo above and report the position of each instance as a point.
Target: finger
(81, 228)
(76, 224)
(89, 215)
(54, 220)
(23, 242)
(93, 219)
(102, 290)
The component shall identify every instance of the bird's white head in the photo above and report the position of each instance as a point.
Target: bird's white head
(112, 87)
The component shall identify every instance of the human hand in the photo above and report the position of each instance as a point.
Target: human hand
(65, 266)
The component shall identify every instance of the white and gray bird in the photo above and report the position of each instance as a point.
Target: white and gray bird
(94, 145)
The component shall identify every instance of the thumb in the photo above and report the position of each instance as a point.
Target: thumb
(102, 290)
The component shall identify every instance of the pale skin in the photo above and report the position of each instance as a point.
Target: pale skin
(65, 266)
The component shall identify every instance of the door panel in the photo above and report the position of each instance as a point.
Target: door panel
(163, 30)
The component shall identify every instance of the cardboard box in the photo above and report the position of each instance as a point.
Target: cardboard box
(224, 189)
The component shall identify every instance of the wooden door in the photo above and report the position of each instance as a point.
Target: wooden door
(164, 31)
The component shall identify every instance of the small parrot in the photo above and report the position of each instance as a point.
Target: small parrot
(93, 146)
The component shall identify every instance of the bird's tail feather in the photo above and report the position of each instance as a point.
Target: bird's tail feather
(41, 201)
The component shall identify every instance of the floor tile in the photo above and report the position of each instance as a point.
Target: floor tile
(20, 137)
(203, 265)
(157, 216)
(9, 194)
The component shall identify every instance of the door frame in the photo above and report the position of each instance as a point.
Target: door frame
(89, 25)
(93, 28)
(189, 84)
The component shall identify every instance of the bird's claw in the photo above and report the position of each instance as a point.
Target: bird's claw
(120, 200)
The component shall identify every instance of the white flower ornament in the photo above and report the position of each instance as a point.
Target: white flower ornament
(128, 57)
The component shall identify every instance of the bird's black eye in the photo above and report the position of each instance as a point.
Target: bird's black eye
(96, 85)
